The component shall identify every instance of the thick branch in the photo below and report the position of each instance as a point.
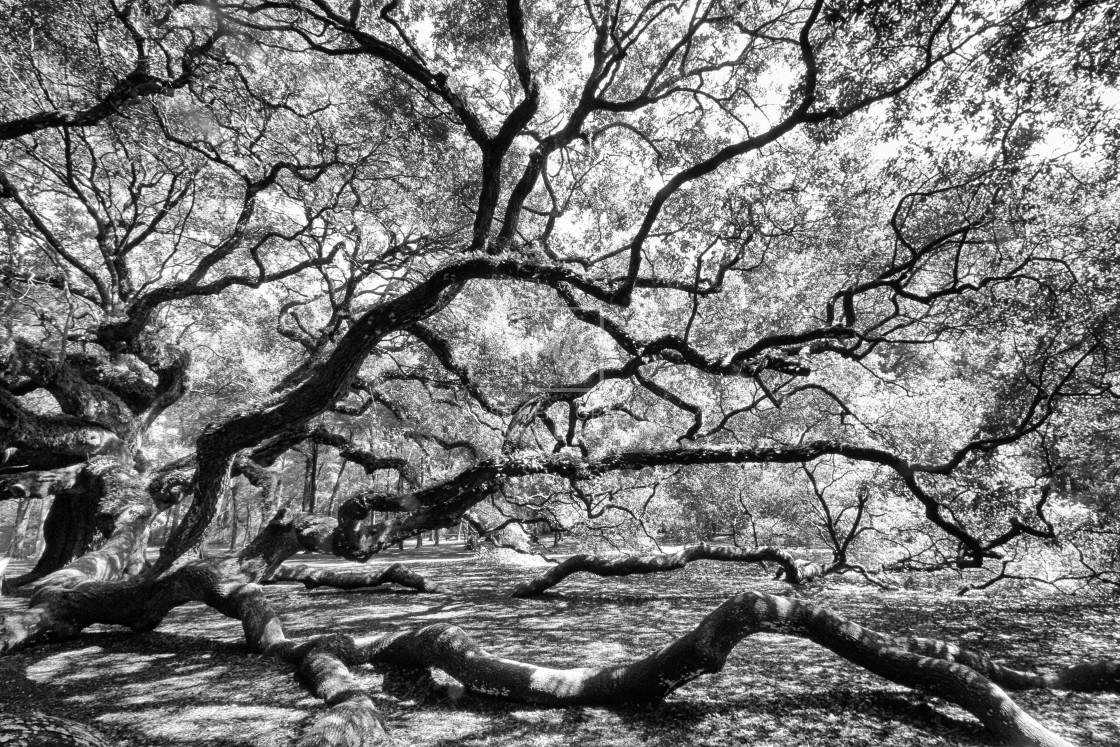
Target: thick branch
(128, 91)
(313, 578)
(30, 441)
(705, 649)
(630, 565)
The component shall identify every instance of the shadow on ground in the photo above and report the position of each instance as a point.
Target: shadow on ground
(192, 682)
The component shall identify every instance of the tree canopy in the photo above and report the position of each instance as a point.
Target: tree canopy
(837, 272)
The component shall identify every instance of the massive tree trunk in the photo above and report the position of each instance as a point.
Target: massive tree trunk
(233, 519)
(19, 528)
(795, 570)
(86, 455)
(103, 500)
(68, 531)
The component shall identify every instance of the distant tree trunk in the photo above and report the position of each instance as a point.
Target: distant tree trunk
(313, 578)
(310, 479)
(280, 500)
(233, 491)
(343, 464)
(19, 528)
(37, 527)
(435, 537)
(420, 540)
(400, 487)
(172, 520)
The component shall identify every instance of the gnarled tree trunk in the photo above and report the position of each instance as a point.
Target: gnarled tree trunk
(105, 499)
(19, 528)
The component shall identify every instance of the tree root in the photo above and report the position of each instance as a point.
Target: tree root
(795, 570)
(313, 578)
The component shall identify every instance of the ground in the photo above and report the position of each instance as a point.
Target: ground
(191, 682)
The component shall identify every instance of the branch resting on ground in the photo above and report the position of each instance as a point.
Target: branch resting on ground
(313, 578)
(795, 570)
(230, 586)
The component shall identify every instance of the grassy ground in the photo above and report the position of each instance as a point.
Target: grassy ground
(192, 683)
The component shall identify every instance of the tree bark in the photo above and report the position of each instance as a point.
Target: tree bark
(313, 578)
(796, 571)
(234, 490)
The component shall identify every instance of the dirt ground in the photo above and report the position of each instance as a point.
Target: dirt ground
(191, 682)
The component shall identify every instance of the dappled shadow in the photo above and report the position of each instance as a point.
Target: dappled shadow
(160, 688)
(192, 682)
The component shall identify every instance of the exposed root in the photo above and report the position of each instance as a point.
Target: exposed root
(795, 570)
(313, 578)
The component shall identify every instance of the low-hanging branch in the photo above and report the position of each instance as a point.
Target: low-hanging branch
(313, 578)
(443, 504)
(795, 570)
